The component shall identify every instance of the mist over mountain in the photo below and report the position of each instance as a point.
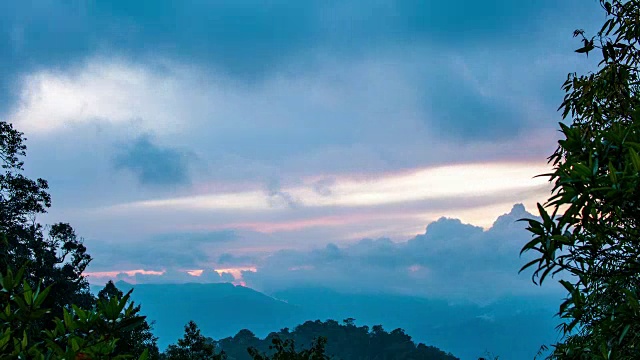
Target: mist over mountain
(220, 310)
(512, 327)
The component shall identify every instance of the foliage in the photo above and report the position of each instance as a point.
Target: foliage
(57, 258)
(285, 350)
(193, 346)
(489, 356)
(80, 334)
(135, 340)
(47, 309)
(331, 339)
(589, 227)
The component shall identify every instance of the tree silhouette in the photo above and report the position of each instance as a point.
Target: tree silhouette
(193, 346)
(137, 339)
(330, 339)
(589, 228)
(58, 257)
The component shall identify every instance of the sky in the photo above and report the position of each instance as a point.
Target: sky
(362, 145)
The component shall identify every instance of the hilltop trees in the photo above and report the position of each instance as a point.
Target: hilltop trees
(54, 257)
(285, 350)
(589, 229)
(46, 309)
(330, 339)
(193, 346)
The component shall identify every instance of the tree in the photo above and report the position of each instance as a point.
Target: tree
(285, 350)
(330, 339)
(588, 232)
(58, 257)
(135, 340)
(80, 334)
(46, 309)
(193, 346)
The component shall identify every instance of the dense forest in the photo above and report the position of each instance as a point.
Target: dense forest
(313, 339)
(344, 341)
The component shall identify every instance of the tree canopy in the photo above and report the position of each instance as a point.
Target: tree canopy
(589, 228)
(56, 256)
(330, 339)
(135, 340)
(46, 309)
(193, 346)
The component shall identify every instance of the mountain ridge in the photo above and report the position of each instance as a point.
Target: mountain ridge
(223, 309)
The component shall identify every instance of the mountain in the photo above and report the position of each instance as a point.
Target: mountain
(513, 327)
(220, 309)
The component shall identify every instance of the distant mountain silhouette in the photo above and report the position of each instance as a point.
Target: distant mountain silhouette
(513, 328)
(220, 309)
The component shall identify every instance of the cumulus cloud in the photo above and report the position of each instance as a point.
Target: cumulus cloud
(450, 260)
(174, 276)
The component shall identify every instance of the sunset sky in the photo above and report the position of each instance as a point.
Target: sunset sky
(292, 142)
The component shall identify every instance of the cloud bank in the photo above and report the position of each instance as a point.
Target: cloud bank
(451, 260)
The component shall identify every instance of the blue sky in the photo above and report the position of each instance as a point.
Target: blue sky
(267, 139)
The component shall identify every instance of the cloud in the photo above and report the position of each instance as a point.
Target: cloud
(278, 197)
(177, 277)
(248, 38)
(164, 251)
(323, 186)
(442, 182)
(153, 164)
(414, 110)
(231, 260)
(103, 91)
(460, 110)
(451, 260)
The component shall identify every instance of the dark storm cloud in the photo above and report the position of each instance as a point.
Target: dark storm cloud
(246, 38)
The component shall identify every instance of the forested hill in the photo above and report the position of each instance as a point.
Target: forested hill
(344, 341)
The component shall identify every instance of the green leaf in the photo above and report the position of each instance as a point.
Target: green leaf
(612, 173)
(144, 355)
(624, 333)
(42, 296)
(567, 285)
(529, 264)
(4, 340)
(543, 213)
(635, 159)
(74, 345)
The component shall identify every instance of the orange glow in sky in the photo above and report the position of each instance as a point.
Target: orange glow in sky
(235, 272)
(195, 272)
(114, 274)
